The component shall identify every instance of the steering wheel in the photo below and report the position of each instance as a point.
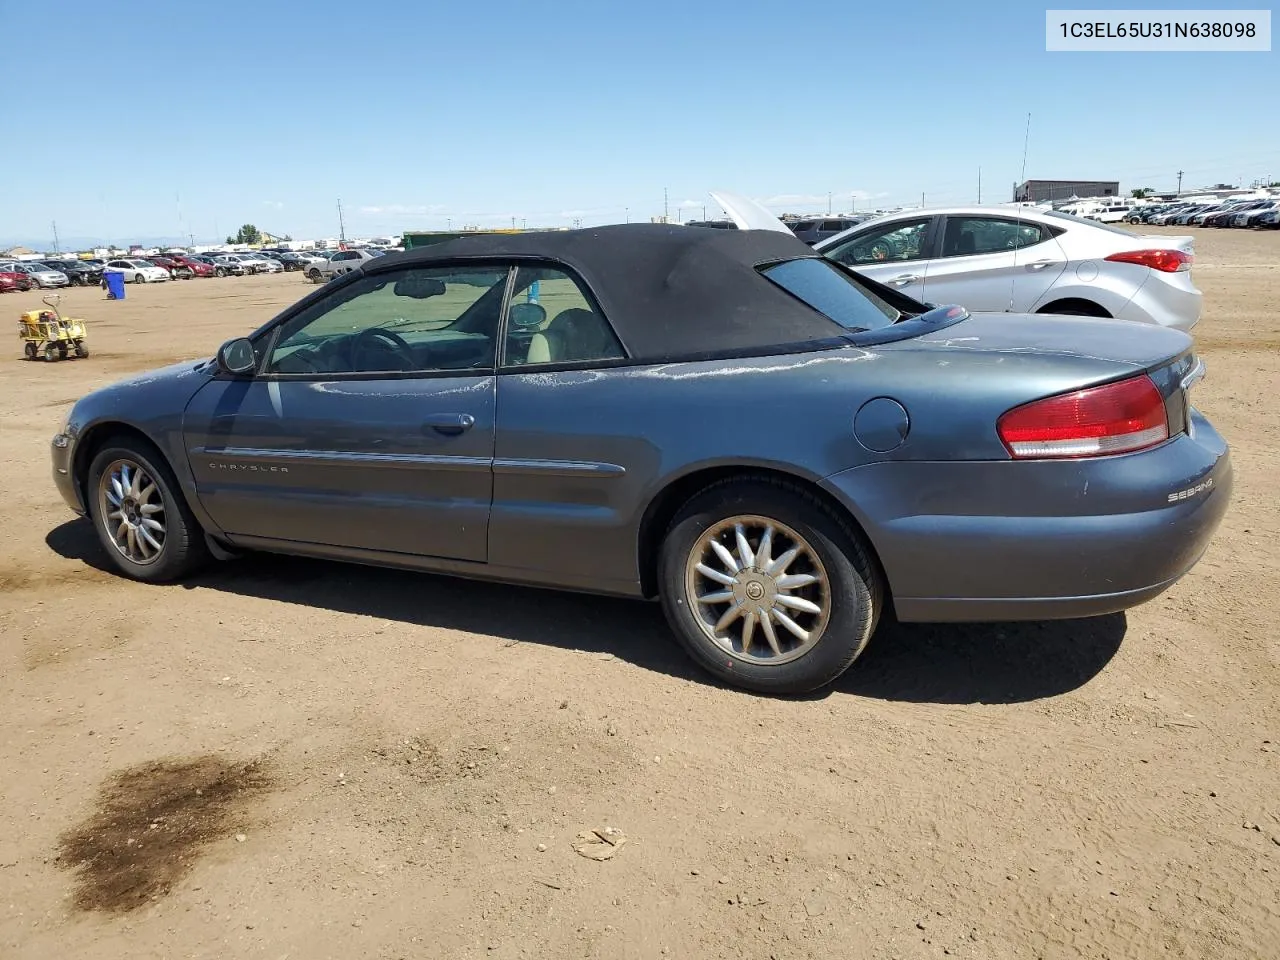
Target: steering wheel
(387, 342)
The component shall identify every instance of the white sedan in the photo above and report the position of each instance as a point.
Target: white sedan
(263, 264)
(137, 271)
(1022, 260)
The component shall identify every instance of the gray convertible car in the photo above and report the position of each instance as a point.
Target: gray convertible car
(778, 449)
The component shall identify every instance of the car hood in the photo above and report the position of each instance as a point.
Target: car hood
(1139, 345)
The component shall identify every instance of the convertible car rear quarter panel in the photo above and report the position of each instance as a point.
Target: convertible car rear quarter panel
(1018, 540)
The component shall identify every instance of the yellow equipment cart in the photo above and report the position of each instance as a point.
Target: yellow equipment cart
(49, 333)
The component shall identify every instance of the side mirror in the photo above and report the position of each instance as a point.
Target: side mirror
(236, 357)
(527, 316)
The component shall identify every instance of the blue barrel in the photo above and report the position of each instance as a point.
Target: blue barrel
(115, 284)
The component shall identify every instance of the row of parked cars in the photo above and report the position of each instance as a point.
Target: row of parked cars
(1255, 212)
(66, 271)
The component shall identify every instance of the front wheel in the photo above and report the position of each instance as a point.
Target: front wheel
(313, 275)
(140, 516)
(219, 272)
(139, 278)
(767, 588)
(31, 351)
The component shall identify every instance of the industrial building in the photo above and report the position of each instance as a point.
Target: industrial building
(1049, 191)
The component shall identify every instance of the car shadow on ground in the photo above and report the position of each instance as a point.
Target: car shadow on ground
(917, 663)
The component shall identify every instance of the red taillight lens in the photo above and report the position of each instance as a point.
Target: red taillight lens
(1113, 418)
(1166, 261)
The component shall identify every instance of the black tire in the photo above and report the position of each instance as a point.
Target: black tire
(854, 592)
(81, 350)
(139, 278)
(313, 275)
(219, 272)
(51, 352)
(64, 350)
(184, 550)
(31, 351)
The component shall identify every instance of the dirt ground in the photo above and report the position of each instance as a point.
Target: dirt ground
(289, 758)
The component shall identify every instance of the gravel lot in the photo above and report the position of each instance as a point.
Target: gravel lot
(394, 765)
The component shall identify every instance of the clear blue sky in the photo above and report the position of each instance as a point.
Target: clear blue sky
(196, 117)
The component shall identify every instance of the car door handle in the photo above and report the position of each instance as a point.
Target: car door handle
(903, 280)
(1040, 264)
(450, 424)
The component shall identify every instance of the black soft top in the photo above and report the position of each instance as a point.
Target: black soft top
(669, 291)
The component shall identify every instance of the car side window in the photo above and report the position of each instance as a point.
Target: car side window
(412, 320)
(902, 240)
(971, 236)
(552, 319)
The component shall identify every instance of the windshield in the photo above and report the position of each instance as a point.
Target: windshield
(823, 286)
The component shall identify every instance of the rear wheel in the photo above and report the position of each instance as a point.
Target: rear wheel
(31, 351)
(51, 352)
(140, 516)
(766, 588)
(81, 350)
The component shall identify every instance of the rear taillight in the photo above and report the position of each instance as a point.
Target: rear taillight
(1166, 261)
(1113, 418)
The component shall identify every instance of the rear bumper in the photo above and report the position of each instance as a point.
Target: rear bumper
(1169, 300)
(1032, 540)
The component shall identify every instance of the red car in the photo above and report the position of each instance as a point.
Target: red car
(10, 281)
(177, 271)
(195, 266)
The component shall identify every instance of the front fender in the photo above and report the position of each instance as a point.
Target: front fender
(150, 405)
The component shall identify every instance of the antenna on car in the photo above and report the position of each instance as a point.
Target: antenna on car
(1013, 279)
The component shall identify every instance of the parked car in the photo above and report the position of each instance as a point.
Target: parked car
(262, 263)
(823, 228)
(1270, 220)
(197, 267)
(938, 470)
(177, 271)
(14, 281)
(137, 270)
(1026, 261)
(293, 261)
(233, 264)
(1249, 217)
(79, 273)
(44, 277)
(343, 261)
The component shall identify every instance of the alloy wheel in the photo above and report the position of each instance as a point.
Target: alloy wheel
(132, 510)
(758, 589)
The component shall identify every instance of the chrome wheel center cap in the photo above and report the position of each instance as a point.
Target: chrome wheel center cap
(754, 590)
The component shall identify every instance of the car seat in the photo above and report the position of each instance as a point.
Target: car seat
(574, 334)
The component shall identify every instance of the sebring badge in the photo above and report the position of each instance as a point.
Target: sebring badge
(251, 467)
(1190, 492)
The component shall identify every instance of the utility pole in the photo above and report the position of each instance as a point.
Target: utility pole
(921, 201)
(513, 223)
(853, 202)
(1179, 183)
(627, 212)
(55, 237)
(666, 210)
(704, 211)
(342, 227)
(192, 238)
(979, 186)
(828, 203)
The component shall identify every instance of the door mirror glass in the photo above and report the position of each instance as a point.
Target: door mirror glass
(236, 357)
(527, 315)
